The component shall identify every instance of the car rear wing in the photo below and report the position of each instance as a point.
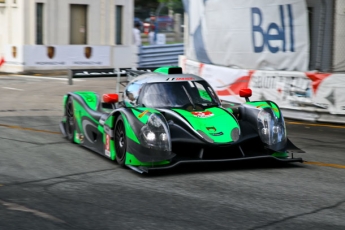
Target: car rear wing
(117, 72)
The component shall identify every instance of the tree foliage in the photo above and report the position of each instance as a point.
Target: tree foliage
(145, 8)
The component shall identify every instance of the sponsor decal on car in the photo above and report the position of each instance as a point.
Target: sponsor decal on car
(143, 113)
(211, 129)
(217, 134)
(204, 114)
(180, 79)
(107, 145)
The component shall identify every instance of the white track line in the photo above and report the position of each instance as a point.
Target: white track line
(12, 88)
(48, 78)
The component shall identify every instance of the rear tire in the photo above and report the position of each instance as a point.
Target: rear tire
(70, 120)
(120, 141)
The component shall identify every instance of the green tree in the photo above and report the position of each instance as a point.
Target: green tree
(146, 8)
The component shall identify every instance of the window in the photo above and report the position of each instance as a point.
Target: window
(39, 23)
(118, 24)
(178, 94)
(78, 24)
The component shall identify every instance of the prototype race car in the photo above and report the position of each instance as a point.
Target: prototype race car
(167, 118)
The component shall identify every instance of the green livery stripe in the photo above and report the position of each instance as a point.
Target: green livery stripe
(110, 121)
(164, 69)
(129, 131)
(132, 160)
(280, 155)
(80, 112)
(214, 122)
(112, 150)
(264, 105)
(90, 98)
(75, 138)
(143, 113)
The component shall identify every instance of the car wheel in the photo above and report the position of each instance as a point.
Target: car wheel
(70, 120)
(120, 141)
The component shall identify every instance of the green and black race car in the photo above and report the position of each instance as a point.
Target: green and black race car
(167, 118)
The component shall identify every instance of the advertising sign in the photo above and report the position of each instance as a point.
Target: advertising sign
(293, 90)
(69, 56)
(261, 34)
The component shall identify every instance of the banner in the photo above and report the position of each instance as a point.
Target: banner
(296, 91)
(69, 55)
(260, 34)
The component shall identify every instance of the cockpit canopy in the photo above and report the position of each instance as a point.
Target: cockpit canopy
(170, 93)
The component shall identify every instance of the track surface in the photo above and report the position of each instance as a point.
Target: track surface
(48, 183)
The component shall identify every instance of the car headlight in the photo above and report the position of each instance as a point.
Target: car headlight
(150, 136)
(271, 128)
(155, 133)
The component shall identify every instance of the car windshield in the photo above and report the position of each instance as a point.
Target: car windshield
(178, 94)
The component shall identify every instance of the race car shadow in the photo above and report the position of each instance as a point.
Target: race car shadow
(258, 164)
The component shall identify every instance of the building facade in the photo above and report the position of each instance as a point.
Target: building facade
(51, 34)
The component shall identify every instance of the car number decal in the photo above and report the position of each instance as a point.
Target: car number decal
(107, 145)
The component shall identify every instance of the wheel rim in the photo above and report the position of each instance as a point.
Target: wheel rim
(69, 118)
(120, 140)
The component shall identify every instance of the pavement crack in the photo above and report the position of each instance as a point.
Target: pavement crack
(298, 215)
(59, 177)
(34, 143)
(28, 142)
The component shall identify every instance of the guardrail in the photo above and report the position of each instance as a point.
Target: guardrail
(160, 55)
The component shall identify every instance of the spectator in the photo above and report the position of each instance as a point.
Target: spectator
(136, 34)
(152, 35)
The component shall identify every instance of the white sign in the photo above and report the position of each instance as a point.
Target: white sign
(69, 56)
(161, 39)
(261, 34)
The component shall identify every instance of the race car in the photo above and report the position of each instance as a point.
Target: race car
(167, 118)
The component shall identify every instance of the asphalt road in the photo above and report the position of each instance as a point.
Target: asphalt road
(48, 183)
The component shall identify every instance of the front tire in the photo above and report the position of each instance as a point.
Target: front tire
(120, 141)
(70, 120)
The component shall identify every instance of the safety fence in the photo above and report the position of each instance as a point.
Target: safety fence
(160, 55)
(312, 96)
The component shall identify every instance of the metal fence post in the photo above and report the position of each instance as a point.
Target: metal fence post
(118, 80)
(70, 77)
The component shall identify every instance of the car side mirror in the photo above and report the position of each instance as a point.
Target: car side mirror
(246, 93)
(110, 98)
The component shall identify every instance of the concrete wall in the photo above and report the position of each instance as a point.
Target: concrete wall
(339, 37)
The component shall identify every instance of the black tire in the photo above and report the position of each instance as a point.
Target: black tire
(120, 141)
(70, 120)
